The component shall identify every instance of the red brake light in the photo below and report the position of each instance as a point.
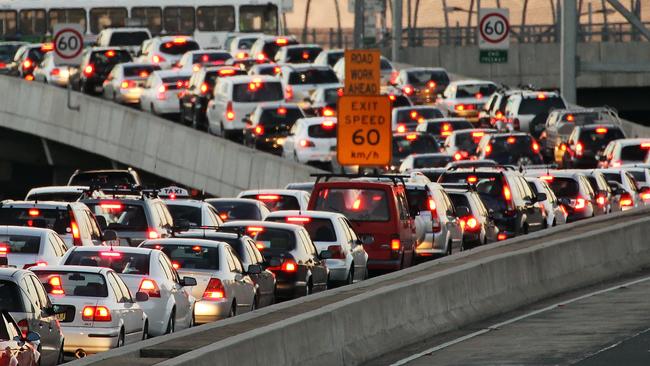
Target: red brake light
(306, 143)
(478, 134)
(458, 156)
(547, 178)
(472, 179)
(281, 41)
(488, 149)
(580, 203)
(328, 112)
(645, 145)
(214, 290)
(289, 92)
(535, 146)
(626, 200)
(401, 128)
(356, 205)
(502, 236)
(24, 327)
(579, 148)
(46, 47)
(158, 59)
(109, 53)
(27, 64)
(254, 229)
(395, 244)
(337, 251)
(241, 55)
(432, 205)
(570, 118)
(459, 107)
(601, 200)
(541, 96)
(277, 70)
(411, 137)
(289, 265)
(230, 113)
(506, 193)
(34, 212)
(268, 197)
(204, 88)
(180, 40)
(75, 230)
(110, 254)
(152, 234)
(431, 84)
(259, 130)
(226, 72)
(128, 84)
(478, 95)
(55, 72)
(511, 140)
(150, 287)
(55, 282)
(111, 206)
(408, 90)
(299, 219)
(4, 249)
(305, 55)
(29, 77)
(392, 97)
(282, 111)
(162, 90)
(601, 130)
(96, 313)
(326, 125)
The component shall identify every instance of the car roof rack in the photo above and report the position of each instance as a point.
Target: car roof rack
(395, 178)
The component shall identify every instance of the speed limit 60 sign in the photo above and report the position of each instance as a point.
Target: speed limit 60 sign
(68, 44)
(364, 134)
(494, 29)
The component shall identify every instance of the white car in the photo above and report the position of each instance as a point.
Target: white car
(300, 81)
(50, 73)
(27, 247)
(160, 93)
(166, 51)
(528, 110)
(223, 288)
(193, 60)
(170, 306)
(125, 82)
(465, 98)
(331, 231)
(240, 45)
(323, 101)
(625, 152)
(128, 38)
(386, 69)
(194, 213)
(238, 96)
(298, 54)
(462, 144)
(329, 57)
(631, 195)
(239, 209)
(279, 199)
(311, 140)
(428, 160)
(98, 312)
(554, 213)
(422, 84)
(60, 193)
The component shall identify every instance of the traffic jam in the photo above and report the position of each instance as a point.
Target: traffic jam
(107, 261)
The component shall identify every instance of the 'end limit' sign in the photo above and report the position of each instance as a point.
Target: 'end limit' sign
(362, 73)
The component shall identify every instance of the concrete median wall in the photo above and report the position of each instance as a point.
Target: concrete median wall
(142, 140)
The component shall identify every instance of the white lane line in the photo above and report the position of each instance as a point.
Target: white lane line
(513, 320)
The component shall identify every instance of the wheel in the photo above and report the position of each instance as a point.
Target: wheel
(254, 304)
(145, 331)
(196, 124)
(525, 228)
(120, 340)
(171, 324)
(450, 248)
(350, 279)
(153, 110)
(60, 358)
(233, 309)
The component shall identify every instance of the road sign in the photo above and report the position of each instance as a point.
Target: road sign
(494, 29)
(364, 133)
(493, 56)
(362, 74)
(68, 44)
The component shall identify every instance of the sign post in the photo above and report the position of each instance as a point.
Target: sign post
(68, 46)
(494, 35)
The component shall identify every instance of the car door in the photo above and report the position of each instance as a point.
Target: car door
(243, 285)
(181, 294)
(119, 311)
(534, 216)
(316, 265)
(48, 327)
(359, 255)
(455, 228)
(265, 280)
(132, 312)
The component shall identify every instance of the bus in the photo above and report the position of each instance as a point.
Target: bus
(208, 21)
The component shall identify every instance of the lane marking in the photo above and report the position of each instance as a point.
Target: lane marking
(452, 342)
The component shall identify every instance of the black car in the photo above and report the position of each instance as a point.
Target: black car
(405, 144)
(506, 194)
(96, 64)
(441, 128)
(585, 142)
(574, 192)
(510, 149)
(270, 123)
(26, 58)
(7, 52)
(408, 118)
(478, 227)
(239, 209)
(290, 254)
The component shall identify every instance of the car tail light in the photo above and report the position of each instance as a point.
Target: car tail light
(488, 149)
(89, 70)
(24, 327)
(601, 200)
(392, 97)
(109, 53)
(601, 130)
(268, 197)
(511, 140)
(289, 92)
(645, 145)
(158, 59)
(570, 118)
(281, 41)
(30, 265)
(408, 90)
(152, 234)
(96, 313)
(254, 229)
(471, 223)
(431, 84)
(645, 196)
(580, 203)
(55, 282)
(289, 265)
(547, 178)
(150, 287)
(230, 113)
(162, 92)
(4, 249)
(472, 179)
(29, 77)
(446, 129)
(261, 57)
(478, 134)
(214, 290)
(535, 146)
(55, 72)
(507, 195)
(516, 124)
(241, 55)
(76, 236)
(27, 64)
(196, 67)
(459, 107)
(328, 125)
(204, 88)
(328, 112)
(626, 200)
(337, 251)
(393, 77)
(298, 219)
(411, 137)
(401, 128)
(306, 143)
(33, 212)
(579, 148)
(229, 72)
(128, 84)
(502, 236)
(395, 244)
(277, 70)
(458, 156)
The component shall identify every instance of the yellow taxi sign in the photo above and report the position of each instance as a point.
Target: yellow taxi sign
(364, 134)
(362, 72)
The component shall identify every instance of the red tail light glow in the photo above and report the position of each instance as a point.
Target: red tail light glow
(411, 137)
(337, 251)
(626, 200)
(55, 282)
(128, 84)
(458, 156)
(298, 219)
(109, 53)
(601, 200)
(645, 145)
(432, 205)
(511, 140)
(214, 290)
(289, 92)
(535, 146)
(230, 113)
(488, 149)
(75, 232)
(111, 206)
(327, 125)
(34, 212)
(27, 64)
(601, 130)
(55, 72)
(328, 112)
(289, 265)
(96, 313)
(580, 203)
(282, 111)
(228, 72)
(268, 197)
(158, 59)
(401, 128)
(4, 249)
(570, 118)
(431, 84)
(579, 148)
(547, 178)
(24, 327)
(110, 254)
(254, 229)
(395, 244)
(204, 88)
(162, 93)
(472, 179)
(541, 96)
(281, 41)
(502, 236)
(152, 234)
(150, 287)
(259, 130)
(307, 143)
(408, 90)
(506, 193)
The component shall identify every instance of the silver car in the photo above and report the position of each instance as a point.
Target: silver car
(555, 215)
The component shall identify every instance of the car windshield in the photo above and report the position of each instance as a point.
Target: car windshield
(418, 114)
(50, 218)
(304, 55)
(128, 38)
(191, 214)
(10, 298)
(257, 92)
(103, 179)
(355, 204)
(236, 210)
(275, 240)
(564, 187)
(216, 58)
(475, 90)
(406, 145)
(313, 76)
(73, 283)
(419, 78)
(633, 153)
(190, 256)
(540, 105)
(20, 244)
(324, 130)
(598, 138)
(120, 262)
(121, 216)
(318, 229)
(281, 116)
(277, 202)
(445, 128)
(178, 46)
(140, 71)
(431, 161)
(488, 185)
(54, 196)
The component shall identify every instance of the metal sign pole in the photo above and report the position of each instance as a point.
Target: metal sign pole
(70, 106)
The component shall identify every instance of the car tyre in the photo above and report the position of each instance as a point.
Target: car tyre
(171, 323)
(60, 359)
(145, 330)
(450, 247)
(120, 340)
(254, 304)
(233, 309)
(350, 279)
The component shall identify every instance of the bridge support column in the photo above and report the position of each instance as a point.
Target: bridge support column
(568, 52)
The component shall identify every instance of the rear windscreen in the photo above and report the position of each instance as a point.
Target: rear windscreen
(233, 210)
(418, 144)
(313, 76)
(128, 38)
(73, 283)
(417, 199)
(120, 262)
(488, 185)
(281, 116)
(334, 57)
(415, 115)
(216, 58)
(475, 91)
(468, 141)
(322, 131)
(302, 55)
(616, 177)
(275, 240)
(10, 298)
(639, 176)
(110, 57)
(431, 161)
(20, 244)
(633, 153)
(141, 71)
(57, 220)
(318, 229)
(190, 214)
(121, 216)
(276, 202)
(447, 127)
(178, 47)
(564, 187)
(36, 55)
(384, 64)
(190, 256)
(355, 204)
(459, 199)
(540, 105)
(599, 138)
(58, 196)
(257, 92)
(176, 82)
(103, 179)
(419, 78)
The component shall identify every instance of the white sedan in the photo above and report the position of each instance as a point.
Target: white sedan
(171, 304)
(27, 247)
(311, 140)
(160, 93)
(96, 309)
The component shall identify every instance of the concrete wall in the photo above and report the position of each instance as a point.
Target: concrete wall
(143, 141)
(538, 64)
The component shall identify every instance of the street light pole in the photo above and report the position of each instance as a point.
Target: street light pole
(359, 12)
(397, 30)
(568, 51)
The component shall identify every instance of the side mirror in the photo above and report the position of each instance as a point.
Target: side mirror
(101, 221)
(254, 269)
(325, 254)
(109, 235)
(275, 262)
(188, 281)
(462, 211)
(541, 197)
(141, 296)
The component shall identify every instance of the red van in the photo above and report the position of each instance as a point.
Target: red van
(379, 215)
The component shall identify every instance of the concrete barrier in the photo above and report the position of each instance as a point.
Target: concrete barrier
(143, 140)
(354, 324)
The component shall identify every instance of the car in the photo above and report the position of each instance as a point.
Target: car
(397, 99)
(125, 82)
(506, 193)
(239, 45)
(170, 306)
(26, 59)
(244, 64)
(269, 125)
(471, 164)
(249, 254)
(431, 173)
(291, 255)
(641, 174)
(518, 148)
(193, 213)
(528, 110)
(239, 209)
(18, 348)
(624, 152)
(329, 57)
(606, 200)
(422, 84)
(195, 99)
(27, 247)
(72, 221)
(386, 70)
(584, 144)
(106, 179)
(301, 80)
(134, 217)
(298, 54)
(99, 312)
(8, 50)
(573, 191)
(379, 215)
(491, 115)
(224, 289)
(238, 96)
(266, 47)
(301, 186)
(58, 193)
(405, 144)
(193, 61)
(50, 73)
(465, 98)
(405, 119)
(278, 199)
(162, 90)
(129, 38)
(166, 51)
(624, 185)
(555, 213)
(96, 64)
(427, 160)
(269, 69)
(23, 296)
(441, 128)
(561, 122)
(477, 225)
(323, 101)
(333, 232)
(462, 144)
(311, 140)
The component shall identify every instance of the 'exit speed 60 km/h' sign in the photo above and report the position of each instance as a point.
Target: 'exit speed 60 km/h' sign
(364, 134)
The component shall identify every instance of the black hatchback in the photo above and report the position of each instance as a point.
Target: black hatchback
(96, 64)
(269, 124)
(510, 149)
(405, 144)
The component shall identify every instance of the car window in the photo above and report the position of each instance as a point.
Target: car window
(168, 266)
(10, 297)
(120, 262)
(28, 286)
(115, 288)
(231, 262)
(346, 230)
(43, 300)
(124, 289)
(356, 204)
(258, 256)
(236, 260)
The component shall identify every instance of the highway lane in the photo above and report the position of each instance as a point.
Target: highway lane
(607, 324)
